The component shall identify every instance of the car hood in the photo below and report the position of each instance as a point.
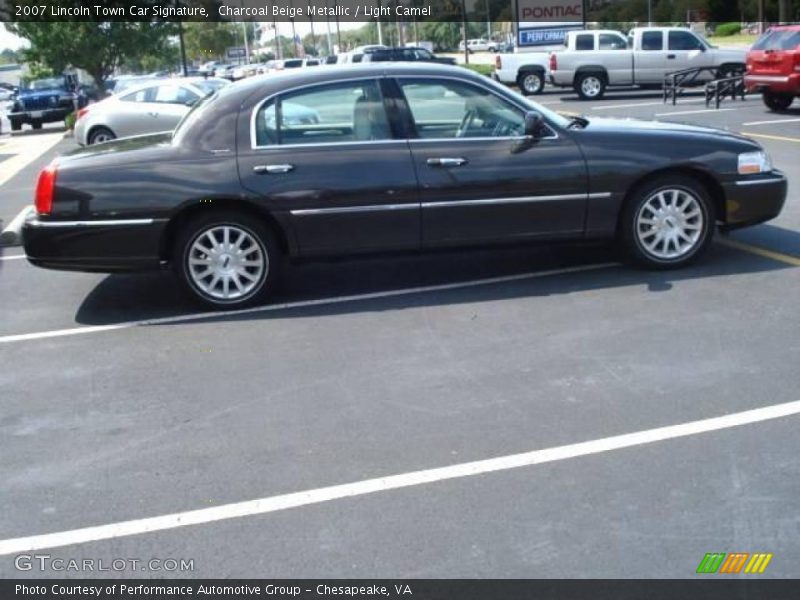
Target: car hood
(658, 128)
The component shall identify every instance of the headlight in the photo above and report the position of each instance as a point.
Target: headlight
(754, 162)
(66, 98)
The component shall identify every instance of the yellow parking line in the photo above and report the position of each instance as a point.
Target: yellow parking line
(758, 250)
(780, 138)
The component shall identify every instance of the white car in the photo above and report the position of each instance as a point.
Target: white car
(479, 45)
(356, 55)
(149, 108)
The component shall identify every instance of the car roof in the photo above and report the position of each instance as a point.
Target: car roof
(285, 80)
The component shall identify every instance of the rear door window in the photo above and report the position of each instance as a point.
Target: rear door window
(652, 40)
(584, 42)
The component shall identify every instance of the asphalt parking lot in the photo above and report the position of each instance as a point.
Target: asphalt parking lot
(120, 403)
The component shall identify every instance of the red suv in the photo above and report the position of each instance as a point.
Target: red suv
(773, 66)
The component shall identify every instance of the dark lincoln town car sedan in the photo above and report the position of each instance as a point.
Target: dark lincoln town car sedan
(386, 157)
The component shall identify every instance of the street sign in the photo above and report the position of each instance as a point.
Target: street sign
(235, 52)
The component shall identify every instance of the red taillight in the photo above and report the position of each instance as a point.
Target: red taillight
(553, 62)
(44, 190)
(82, 112)
(498, 64)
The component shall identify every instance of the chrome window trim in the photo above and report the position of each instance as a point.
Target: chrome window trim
(443, 204)
(378, 78)
(36, 222)
(254, 114)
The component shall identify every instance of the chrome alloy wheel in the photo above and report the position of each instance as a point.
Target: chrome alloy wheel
(532, 83)
(102, 137)
(227, 262)
(591, 86)
(670, 224)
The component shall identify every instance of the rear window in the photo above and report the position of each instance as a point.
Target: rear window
(584, 42)
(609, 41)
(778, 40)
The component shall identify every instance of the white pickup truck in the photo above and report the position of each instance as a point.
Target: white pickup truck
(593, 60)
(527, 70)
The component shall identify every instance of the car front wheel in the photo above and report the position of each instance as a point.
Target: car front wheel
(227, 259)
(668, 223)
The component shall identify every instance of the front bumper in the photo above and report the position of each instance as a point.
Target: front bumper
(786, 84)
(753, 200)
(48, 115)
(94, 246)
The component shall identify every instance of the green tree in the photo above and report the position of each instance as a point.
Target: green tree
(96, 47)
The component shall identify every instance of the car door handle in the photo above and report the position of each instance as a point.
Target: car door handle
(670, 56)
(447, 162)
(273, 169)
(153, 114)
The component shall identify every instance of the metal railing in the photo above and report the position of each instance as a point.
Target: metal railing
(676, 82)
(719, 89)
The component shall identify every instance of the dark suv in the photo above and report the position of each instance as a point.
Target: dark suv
(773, 66)
(408, 54)
(44, 101)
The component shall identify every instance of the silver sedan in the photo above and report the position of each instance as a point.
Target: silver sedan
(151, 107)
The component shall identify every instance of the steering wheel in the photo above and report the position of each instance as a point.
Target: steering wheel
(465, 123)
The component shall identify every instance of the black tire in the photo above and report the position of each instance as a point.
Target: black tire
(99, 135)
(36, 124)
(633, 234)
(15, 125)
(261, 235)
(531, 83)
(590, 86)
(777, 102)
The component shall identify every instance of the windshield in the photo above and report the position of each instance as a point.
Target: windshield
(46, 84)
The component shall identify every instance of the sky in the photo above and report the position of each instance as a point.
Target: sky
(9, 40)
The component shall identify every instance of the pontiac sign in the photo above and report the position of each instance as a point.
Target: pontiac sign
(549, 10)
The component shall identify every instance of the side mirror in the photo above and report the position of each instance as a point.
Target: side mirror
(534, 124)
(191, 102)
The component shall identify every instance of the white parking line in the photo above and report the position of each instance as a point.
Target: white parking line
(771, 122)
(22, 337)
(613, 106)
(271, 504)
(694, 112)
(13, 257)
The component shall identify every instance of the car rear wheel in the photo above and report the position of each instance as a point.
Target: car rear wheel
(531, 82)
(227, 259)
(777, 102)
(590, 86)
(100, 135)
(15, 125)
(668, 223)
